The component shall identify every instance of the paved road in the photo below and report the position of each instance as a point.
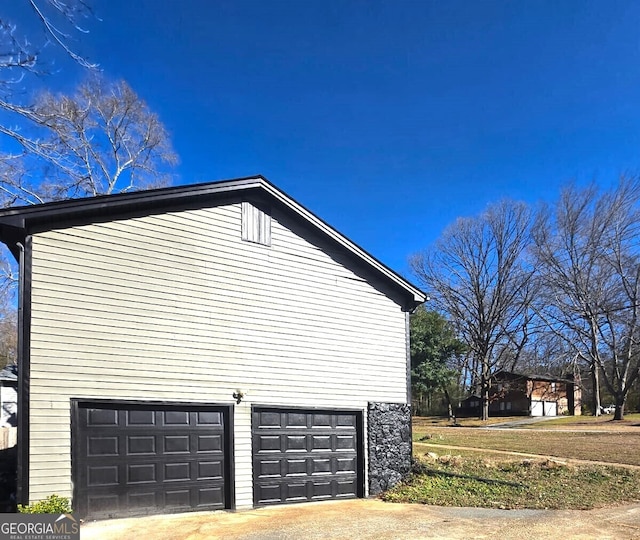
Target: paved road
(375, 520)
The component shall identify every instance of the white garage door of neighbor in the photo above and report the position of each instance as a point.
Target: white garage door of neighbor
(550, 408)
(544, 408)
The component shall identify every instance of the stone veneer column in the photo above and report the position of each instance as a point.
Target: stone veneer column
(389, 437)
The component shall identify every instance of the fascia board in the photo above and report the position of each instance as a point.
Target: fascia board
(20, 217)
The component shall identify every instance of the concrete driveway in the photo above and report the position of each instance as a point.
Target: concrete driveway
(375, 520)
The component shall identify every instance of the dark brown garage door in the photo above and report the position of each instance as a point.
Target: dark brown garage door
(133, 459)
(306, 455)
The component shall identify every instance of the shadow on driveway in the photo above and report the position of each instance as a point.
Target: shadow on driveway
(375, 520)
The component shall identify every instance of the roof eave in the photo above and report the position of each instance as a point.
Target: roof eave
(14, 220)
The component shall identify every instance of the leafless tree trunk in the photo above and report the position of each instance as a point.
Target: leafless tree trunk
(450, 407)
(477, 276)
(595, 383)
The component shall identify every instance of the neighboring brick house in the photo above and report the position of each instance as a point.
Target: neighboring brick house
(515, 394)
(533, 395)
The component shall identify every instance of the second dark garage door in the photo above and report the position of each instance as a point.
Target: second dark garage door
(306, 455)
(132, 459)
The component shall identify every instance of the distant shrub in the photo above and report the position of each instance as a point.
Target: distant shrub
(53, 504)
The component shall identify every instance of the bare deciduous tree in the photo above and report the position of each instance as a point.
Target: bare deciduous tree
(23, 62)
(476, 274)
(104, 139)
(20, 54)
(587, 254)
(101, 140)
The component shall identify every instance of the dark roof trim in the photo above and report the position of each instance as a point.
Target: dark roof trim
(50, 215)
(532, 377)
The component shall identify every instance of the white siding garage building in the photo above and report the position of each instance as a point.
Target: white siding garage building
(203, 347)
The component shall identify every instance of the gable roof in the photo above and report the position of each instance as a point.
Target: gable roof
(530, 376)
(18, 222)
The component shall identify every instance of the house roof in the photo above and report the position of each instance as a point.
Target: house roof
(532, 376)
(9, 373)
(18, 222)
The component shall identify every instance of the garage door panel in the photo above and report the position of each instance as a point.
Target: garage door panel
(321, 420)
(141, 445)
(294, 443)
(102, 446)
(346, 421)
(180, 498)
(346, 465)
(175, 418)
(140, 418)
(305, 455)
(175, 472)
(209, 470)
(268, 493)
(345, 488)
(550, 408)
(152, 459)
(537, 408)
(322, 490)
(209, 418)
(268, 420)
(103, 476)
(294, 492)
(146, 499)
(295, 467)
(320, 442)
(296, 420)
(102, 417)
(208, 497)
(142, 473)
(176, 444)
(346, 442)
(271, 469)
(209, 443)
(321, 466)
(100, 505)
(268, 443)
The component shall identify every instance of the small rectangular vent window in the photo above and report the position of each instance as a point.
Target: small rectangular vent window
(256, 224)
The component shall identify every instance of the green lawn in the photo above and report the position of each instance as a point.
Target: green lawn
(486, 482)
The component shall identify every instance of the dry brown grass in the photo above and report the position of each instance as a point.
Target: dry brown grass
(420, 422)
(586, 439)
(474, 465)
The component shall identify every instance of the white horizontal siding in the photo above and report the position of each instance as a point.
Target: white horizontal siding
(177, 307)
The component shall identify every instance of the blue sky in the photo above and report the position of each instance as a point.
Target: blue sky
(386, 118)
